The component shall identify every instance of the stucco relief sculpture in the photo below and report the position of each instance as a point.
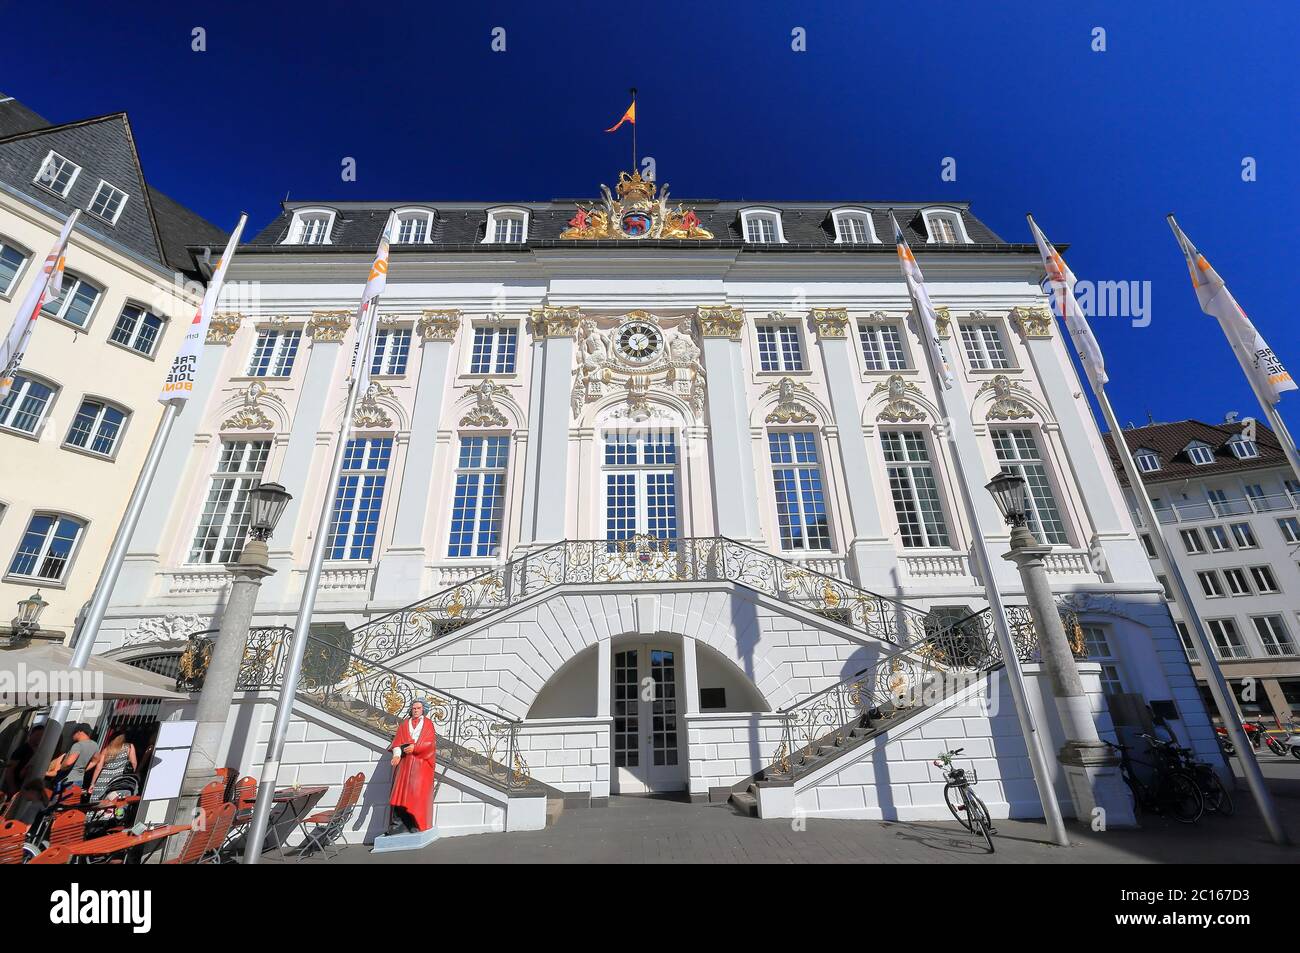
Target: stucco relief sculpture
(636, 356)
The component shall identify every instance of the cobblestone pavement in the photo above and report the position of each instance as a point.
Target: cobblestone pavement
(664, 830)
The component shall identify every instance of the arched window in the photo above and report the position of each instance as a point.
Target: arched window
(945, 227)
(853, 226)
(47, 547)
(310, 226)
(762, 226)
(506, 226)
(414, 226)
(27, 403)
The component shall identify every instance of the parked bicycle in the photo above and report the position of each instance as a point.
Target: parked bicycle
(1177, 757)
(962, 801)
(1172, 790)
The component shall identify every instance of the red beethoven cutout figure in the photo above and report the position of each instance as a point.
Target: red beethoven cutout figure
(414, 748)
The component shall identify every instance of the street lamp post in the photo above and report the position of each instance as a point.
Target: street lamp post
(1091, 767)
(28, 619)
(266, 503)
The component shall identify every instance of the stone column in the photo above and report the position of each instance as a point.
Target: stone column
(1121, 551)
(311, 416)
(143, 558)
(222, 675)
(548, 418)
(871, 553)
(1091, 768)
(731, 454)
(401, 568)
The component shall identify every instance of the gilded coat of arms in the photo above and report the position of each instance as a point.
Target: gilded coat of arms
(636, 213)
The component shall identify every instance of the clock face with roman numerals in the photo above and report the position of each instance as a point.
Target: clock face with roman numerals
(639, 342)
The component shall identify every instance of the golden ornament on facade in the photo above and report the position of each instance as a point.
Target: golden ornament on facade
(438, 325)
(554, 322)
(788, 410)
(369, 414)
(719, 322)
(831, 322)
(250, 416)
(636, 214)
(1006, 405)
(329, 326)
(222, 327)
(485, 412)
(1032, 322)
(898, 409)
(942, 321)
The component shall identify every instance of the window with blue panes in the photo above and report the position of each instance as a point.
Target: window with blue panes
(358, 498)
(392, 348)
(800, 497)
(46, 547)
(12, 259)
(778, 347)
(96, 427)
(26, 404)
(75, 301)
(641, 485)
(479, 502)
(274, 353)
(137, 329)
(494, 350)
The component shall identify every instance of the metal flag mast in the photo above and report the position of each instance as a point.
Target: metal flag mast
(633, 92)
(366, 320)
(1218, 683)
(183, 370)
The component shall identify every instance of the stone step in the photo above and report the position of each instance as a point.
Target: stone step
(745, 803)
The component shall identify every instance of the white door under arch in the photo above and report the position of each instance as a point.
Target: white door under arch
(649, 751)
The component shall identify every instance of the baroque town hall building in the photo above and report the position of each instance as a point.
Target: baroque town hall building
(646, 497)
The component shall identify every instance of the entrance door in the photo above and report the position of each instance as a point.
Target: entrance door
(646, 738)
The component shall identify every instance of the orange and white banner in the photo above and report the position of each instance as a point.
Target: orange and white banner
(1270, 378)
(925, 313)
(47, 287)
(180, 379)
(1062, 279)
(367, 318)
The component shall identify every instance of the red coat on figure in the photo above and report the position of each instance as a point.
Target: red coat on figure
(413, 779)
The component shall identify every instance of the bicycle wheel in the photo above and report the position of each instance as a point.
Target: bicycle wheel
(1216, 796)
(979, 817)
(952, 794)
(1180, 796)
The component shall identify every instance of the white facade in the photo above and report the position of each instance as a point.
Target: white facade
(650, 392)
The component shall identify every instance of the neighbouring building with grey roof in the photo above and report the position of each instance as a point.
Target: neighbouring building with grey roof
(1228, 504)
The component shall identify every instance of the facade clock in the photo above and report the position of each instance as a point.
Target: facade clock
(639, 342)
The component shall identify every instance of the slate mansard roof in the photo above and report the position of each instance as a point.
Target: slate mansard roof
(151, 226)
(1169, 441)
(462, 226)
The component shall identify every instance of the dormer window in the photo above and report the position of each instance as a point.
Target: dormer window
(945, 227)
(414, 226)
(1147, 460)
(57, 174)
(310, 226)
(853, 227)
(762, 226)
(108, 202)
(1200, 454)
(506, 226)
(1243, 449)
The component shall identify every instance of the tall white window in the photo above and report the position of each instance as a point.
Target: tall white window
(57, 174)
(25, 406)
(358, 498)
(1265, 581)
(778, 347)
(852, 228)
(479, 502)
(641, 484)
(494, 350)
(223, 524)
(1192, 541)
(882, 347)
(1227, 640)
(1237, 584)
(1099, 650)
(801, 514)
(274, 353)
(413, 228)
(1017, 451)
(761, 228)
(1186, 637)
(47, 547)
(1211, 586)
(75, 303)
(108, 202)
(137, 329)
(310, 227)
(13, 259)
(1218, 537)
(96, 427)
(914, 489)
(392, 348)
(982, 344)
(944, 227)
(1243, 535)
(1273, 635)
(506, 228)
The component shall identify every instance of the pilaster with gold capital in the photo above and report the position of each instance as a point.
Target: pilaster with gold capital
(830, 322)
(223, 327)
(438, 325)
(554, 322)
(719, 322)
(329, 326)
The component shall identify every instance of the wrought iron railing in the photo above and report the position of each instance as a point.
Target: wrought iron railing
(639, 559)
(936, 666)
(474, 738)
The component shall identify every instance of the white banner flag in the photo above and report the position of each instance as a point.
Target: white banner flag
(180, 379)
(47, 287)
(925, 313)
(367, 318)
(1269, 376)
(1062, 279)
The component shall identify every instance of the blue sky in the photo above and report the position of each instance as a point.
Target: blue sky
(1099, 145)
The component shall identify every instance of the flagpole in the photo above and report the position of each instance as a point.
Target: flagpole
(302, 625)
(1217, 681)
(88, 631)
(634, 169)
(997, 609)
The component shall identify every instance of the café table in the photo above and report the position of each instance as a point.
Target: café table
(111, 844)
(289, 805)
